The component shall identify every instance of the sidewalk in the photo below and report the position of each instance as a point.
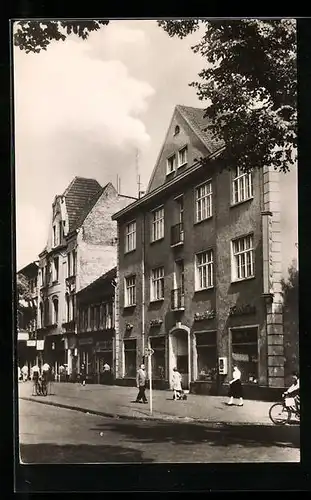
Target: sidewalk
(116, 401)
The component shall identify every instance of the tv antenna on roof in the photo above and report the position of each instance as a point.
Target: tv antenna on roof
(137, 171)
(118, 184)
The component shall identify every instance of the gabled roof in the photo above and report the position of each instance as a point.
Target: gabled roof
(195, 118)
(103, 283)
(80, 197)
(31, 268)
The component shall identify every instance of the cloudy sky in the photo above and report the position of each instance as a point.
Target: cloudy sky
(85, 107)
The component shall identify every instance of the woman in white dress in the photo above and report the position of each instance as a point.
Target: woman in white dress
(176, 383)
(235, 387)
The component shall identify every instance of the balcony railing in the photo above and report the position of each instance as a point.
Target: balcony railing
(177, 234)
(177, 299)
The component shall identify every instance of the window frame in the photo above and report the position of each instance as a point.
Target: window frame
(244, 327)
(197, 277)
(127, 234)
(196, 200)
(236, 177)
(234, 262)
(184, 148)
(126, 290)
(170, 157)
(155, 284)
(154, 221)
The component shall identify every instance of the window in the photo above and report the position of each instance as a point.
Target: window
(177, 130)
(157, 230)
(203, 201)
(55, 310)
(206, 344)
(74, 262)
(68, 264)
(60, 231)
(56, 269)
(130, 358)
(244, 349)
(41, 315)
(242, 186)
(96, 317)
(67, 308)
(54, 236)
(110, 322)
(243, 258)
(157, 283)
(183, 156)
(204, 270)
(158, 357)
(84, 319)
(130, 291)
(170, 164)
(130, 236)
(92, 318)
(46, 312)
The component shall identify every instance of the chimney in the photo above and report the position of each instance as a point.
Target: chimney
(141, 194)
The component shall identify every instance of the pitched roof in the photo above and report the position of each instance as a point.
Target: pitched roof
(195, 118)
(80, 196)
(103, 283)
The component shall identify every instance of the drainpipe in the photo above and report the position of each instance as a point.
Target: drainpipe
(143, 290)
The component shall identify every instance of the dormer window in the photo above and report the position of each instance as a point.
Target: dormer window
(183, 157)
(177, 130)
(171, 164)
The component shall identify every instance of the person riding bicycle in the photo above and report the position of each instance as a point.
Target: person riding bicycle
(294, 390)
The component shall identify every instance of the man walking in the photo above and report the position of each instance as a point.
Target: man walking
(141, 384)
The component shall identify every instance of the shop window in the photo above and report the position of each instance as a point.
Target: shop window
(130, 358)
(158, 357)
(244, 344)
(206, 343)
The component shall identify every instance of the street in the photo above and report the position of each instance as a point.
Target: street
(57, 435)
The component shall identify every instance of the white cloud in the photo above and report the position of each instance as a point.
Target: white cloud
(71, 112)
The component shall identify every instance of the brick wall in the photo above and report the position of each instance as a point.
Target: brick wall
(97, 249)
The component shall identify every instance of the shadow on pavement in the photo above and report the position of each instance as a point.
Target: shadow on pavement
(184, 433)
(51, 453)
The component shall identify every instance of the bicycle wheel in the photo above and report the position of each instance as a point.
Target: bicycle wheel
(279, 414)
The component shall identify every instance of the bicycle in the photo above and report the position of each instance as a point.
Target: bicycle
(281, 413)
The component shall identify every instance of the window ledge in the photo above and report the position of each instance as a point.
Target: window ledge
(156, 241)
(170, 173)
(204, 289)
(183, 165)
(232, 205)
(243, 279)
(179, 244)
(203, 220)
(156, 300)
(126, 252)
(129, 307)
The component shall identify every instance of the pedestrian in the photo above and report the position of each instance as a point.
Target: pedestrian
(235, 387)
(141, 384)
(83, 374)
(176, 383)
(106, 373)
(25, 373)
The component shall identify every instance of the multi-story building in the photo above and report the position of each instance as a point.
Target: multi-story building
(95, 327)
(199, 269)
(80, 248)
(27, 300)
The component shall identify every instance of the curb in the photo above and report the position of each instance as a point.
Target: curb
(163, 418)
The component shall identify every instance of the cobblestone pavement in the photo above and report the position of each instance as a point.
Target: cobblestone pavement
(57, 435)
(119, 401)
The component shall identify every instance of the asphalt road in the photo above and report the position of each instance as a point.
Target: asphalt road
(57, 435)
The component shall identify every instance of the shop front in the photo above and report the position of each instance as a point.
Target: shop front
(87, 357)
(54, 354)
(104, 361)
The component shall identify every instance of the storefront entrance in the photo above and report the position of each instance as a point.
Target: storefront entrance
(179, 354)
